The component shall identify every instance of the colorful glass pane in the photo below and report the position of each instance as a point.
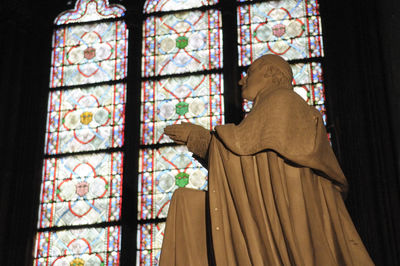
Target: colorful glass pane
(169, 5)
(182, 42)
(81, 189)
(87, 246)
(197, 99)
(306, 73)
(161, 172)
(179, 42)
(90, 10)
(321, 108)
(247, 105)
(149, 243)
(290, 28)
(313, 94)
(86, 119)
(84, 189)
(89, 53)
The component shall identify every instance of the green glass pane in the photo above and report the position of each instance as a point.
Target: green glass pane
(161, 172)
(182, 42)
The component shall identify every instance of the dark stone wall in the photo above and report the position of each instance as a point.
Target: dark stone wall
(25, 42)
(362, 70)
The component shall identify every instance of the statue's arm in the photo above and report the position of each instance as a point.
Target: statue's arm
(198, 141)
(197, 138)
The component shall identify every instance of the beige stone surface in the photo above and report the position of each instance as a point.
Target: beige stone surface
(275, 187)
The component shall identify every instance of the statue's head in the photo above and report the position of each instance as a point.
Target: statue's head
(266, 73)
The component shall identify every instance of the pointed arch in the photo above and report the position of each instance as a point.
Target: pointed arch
(90, 10)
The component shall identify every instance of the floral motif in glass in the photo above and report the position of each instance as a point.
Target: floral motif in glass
(89, 53)
(85, 189)
(289, 28)
(161, 172)
(87, 246)
(197, 99)
(86, 119)
(81, 189)
(182, 42)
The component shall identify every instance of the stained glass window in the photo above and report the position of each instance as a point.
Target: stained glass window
(197, 99)
(182, 42)
(86, 119)
(168, 5)
(162, 171)
(81, 189)
(291, 29)
(82, 177)
(93, 10)
(89, 53)
(149, 243)
(88, 246)
(182, 81)
(180, 49)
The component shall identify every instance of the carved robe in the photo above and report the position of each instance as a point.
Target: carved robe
(275, 194)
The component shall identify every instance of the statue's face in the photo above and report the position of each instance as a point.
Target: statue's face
(253, 82)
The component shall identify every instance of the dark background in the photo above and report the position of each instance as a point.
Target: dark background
(362, 74)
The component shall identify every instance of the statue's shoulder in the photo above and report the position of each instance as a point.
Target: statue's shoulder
(283, 97)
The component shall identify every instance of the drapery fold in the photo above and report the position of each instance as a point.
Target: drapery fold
(273, 213)
(275, 193)
(264, 211)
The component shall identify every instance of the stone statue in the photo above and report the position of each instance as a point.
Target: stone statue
(275, 194)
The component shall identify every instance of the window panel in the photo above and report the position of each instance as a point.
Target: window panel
(149, 243)
(169, 5)
(161, 172)
(174, 43)
(313, 94)
(182, 42)
(87, 246)
(306, 73)
(197, 99)
(81, 189)
(321, 108)
(86, 119)
(89, 53)
(290, 28)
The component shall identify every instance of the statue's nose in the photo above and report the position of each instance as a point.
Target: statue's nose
(242, 81)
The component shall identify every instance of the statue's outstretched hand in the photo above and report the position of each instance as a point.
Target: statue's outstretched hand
(180, 133)
(197, 138)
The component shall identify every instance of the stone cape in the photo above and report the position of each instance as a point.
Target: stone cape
(275, 194)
